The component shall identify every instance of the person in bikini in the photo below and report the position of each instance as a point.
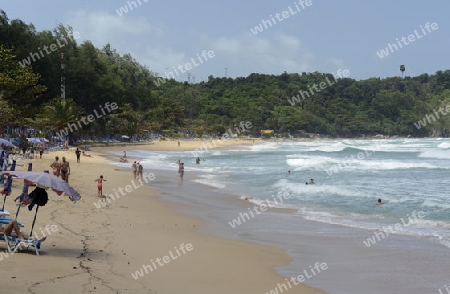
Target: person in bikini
(134, 168)
(65, 170)
(100, 186)
(13, 226)
(56, 167)
(86, 154)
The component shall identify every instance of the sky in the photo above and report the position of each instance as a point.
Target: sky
(305, 36)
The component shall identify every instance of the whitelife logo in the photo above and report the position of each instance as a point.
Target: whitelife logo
(281, 16)
(411, 38)
(242, 128)
(162, 261)
(53, 47)
(340, 74)
(205, 56)
(109, 108)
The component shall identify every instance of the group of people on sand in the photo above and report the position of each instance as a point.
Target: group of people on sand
(124, 157)
(61, 168)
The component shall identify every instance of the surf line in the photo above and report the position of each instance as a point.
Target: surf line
(263, 207)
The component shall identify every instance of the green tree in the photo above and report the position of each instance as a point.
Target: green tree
(18, 85)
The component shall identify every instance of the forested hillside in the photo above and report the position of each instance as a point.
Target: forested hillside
(94, 77)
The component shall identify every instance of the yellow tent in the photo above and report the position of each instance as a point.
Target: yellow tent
(266, 132)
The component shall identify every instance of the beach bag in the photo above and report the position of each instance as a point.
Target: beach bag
(39, 196)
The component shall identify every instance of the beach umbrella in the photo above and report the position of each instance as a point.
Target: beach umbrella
(45, 180)
(34, 140)
(43, 140)
(6, 142)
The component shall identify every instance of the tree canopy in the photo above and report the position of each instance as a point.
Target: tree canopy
(94, 77)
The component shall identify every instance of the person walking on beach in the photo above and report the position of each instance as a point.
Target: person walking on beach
(78, 153)
(181, 171)
(134, 169)
(140, 171)
(56, 167)
(65, 170)
(41, 151)
(100, 186)
(178, 143)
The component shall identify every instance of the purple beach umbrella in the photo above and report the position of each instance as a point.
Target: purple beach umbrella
(47, 180)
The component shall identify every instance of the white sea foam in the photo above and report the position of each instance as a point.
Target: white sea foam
(211, 180)
(436, 153)
(444, 145)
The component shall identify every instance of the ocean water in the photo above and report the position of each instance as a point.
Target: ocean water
(328, 221)
(409, 175)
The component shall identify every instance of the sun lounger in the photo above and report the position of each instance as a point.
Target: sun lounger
(6, 220)
(3, 212)
(14, 244)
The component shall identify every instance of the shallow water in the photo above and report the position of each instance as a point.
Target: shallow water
(333, 218)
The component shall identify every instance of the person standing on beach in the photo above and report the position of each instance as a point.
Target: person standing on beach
(100, 186)
(78, 153)
(65, 170)
(134, 169)
(124, 154)
(178, 143)
(56, 167)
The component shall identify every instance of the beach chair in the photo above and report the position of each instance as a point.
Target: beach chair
(14, 244)
(3, 212)
(7, 220)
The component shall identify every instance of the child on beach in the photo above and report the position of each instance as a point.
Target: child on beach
(100, 186)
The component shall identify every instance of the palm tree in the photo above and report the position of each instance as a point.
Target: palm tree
(402, 69)
(58, 113)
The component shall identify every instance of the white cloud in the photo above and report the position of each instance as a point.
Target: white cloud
(272, 54)
(102, 28)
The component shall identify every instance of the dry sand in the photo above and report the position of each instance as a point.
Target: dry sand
(96, 250)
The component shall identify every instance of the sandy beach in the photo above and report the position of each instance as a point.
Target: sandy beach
(98, 249)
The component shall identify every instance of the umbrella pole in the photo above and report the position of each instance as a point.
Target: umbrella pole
(24, 189)
(17, 212)
(34, 220)
(4, 200)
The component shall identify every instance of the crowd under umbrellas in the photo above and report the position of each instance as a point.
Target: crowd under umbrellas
(38, 197)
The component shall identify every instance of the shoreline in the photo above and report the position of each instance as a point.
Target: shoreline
(97, 250)
(310, 245)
